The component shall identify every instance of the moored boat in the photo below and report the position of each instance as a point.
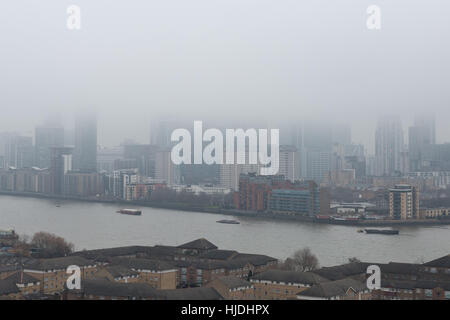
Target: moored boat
(228, 221)
(132, 212)
(382, 231)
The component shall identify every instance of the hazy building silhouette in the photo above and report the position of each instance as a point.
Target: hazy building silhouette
(47, 138)
(388, 146)
(85, 152)
(420, 136)
(61, 163)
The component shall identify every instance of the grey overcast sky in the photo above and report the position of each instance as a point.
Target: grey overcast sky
(133, 60)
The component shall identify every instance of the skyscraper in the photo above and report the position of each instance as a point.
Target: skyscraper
(61, 163)
(316, 152)
(388, 146)
(47, 138)
(420, 136)
(165, 169)
(85, 152)
(16, 151)
(288, 163)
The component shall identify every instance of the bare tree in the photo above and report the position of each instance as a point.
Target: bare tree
(302, 260)
(353, 259)
(51, 245)
(22, 246)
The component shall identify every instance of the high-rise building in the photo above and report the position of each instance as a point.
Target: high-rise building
(107, 157)
(47, 138)
(421, 135)
(165, 169)
(316, 152)
(85, 152)
(61, 163)
(288, 165)
(161, 131)
(144, 155)
(404, 202)
(16, 151)
(388, 146)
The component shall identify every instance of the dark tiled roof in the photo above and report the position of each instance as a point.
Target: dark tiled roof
(234, 282)
(333, 288)
(443, 262)
(58, 263)
(110, 252)
(307, 278)
(100, 287)
(399, 268)
(8, 286)
(22, 278)
(218, 254)
(342, 271)
(409, 284)
(9, 267)
(202, 293)
(143, 264)
(119, 271)
(199, 244)
(254, 259)
(210, 265)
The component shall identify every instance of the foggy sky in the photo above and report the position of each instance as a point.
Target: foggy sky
(207, 59)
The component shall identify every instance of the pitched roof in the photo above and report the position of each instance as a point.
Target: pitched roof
(254, 259)
(143, 264)
(119, 271)
(409, 284)
(58, 263)
(333, 288)
(234, 282)
(109, 252)
(199, 244)
(201, 293)
(219, 254)
(8, 286)
(22, 278)
(341, 271)
(307, 278)
(100, 287)
(443, 262)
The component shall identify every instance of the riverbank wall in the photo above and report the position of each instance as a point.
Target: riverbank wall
(234, 212)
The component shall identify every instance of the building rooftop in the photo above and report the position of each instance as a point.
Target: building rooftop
(58, 263)
(443, 262)
(333, 288)
(21, 278)
(120, 271)
(201, 293)
(234, 282)
(143, 264)
(306, 278)
(8, 286)
(101, 287)
(219, 254)
(199, 244)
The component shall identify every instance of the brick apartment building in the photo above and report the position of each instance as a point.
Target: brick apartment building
(278, 195)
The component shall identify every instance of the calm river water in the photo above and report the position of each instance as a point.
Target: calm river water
(96, 225)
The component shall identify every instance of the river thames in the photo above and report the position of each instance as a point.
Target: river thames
(97, 225)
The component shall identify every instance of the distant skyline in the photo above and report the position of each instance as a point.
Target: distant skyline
(243, 60)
